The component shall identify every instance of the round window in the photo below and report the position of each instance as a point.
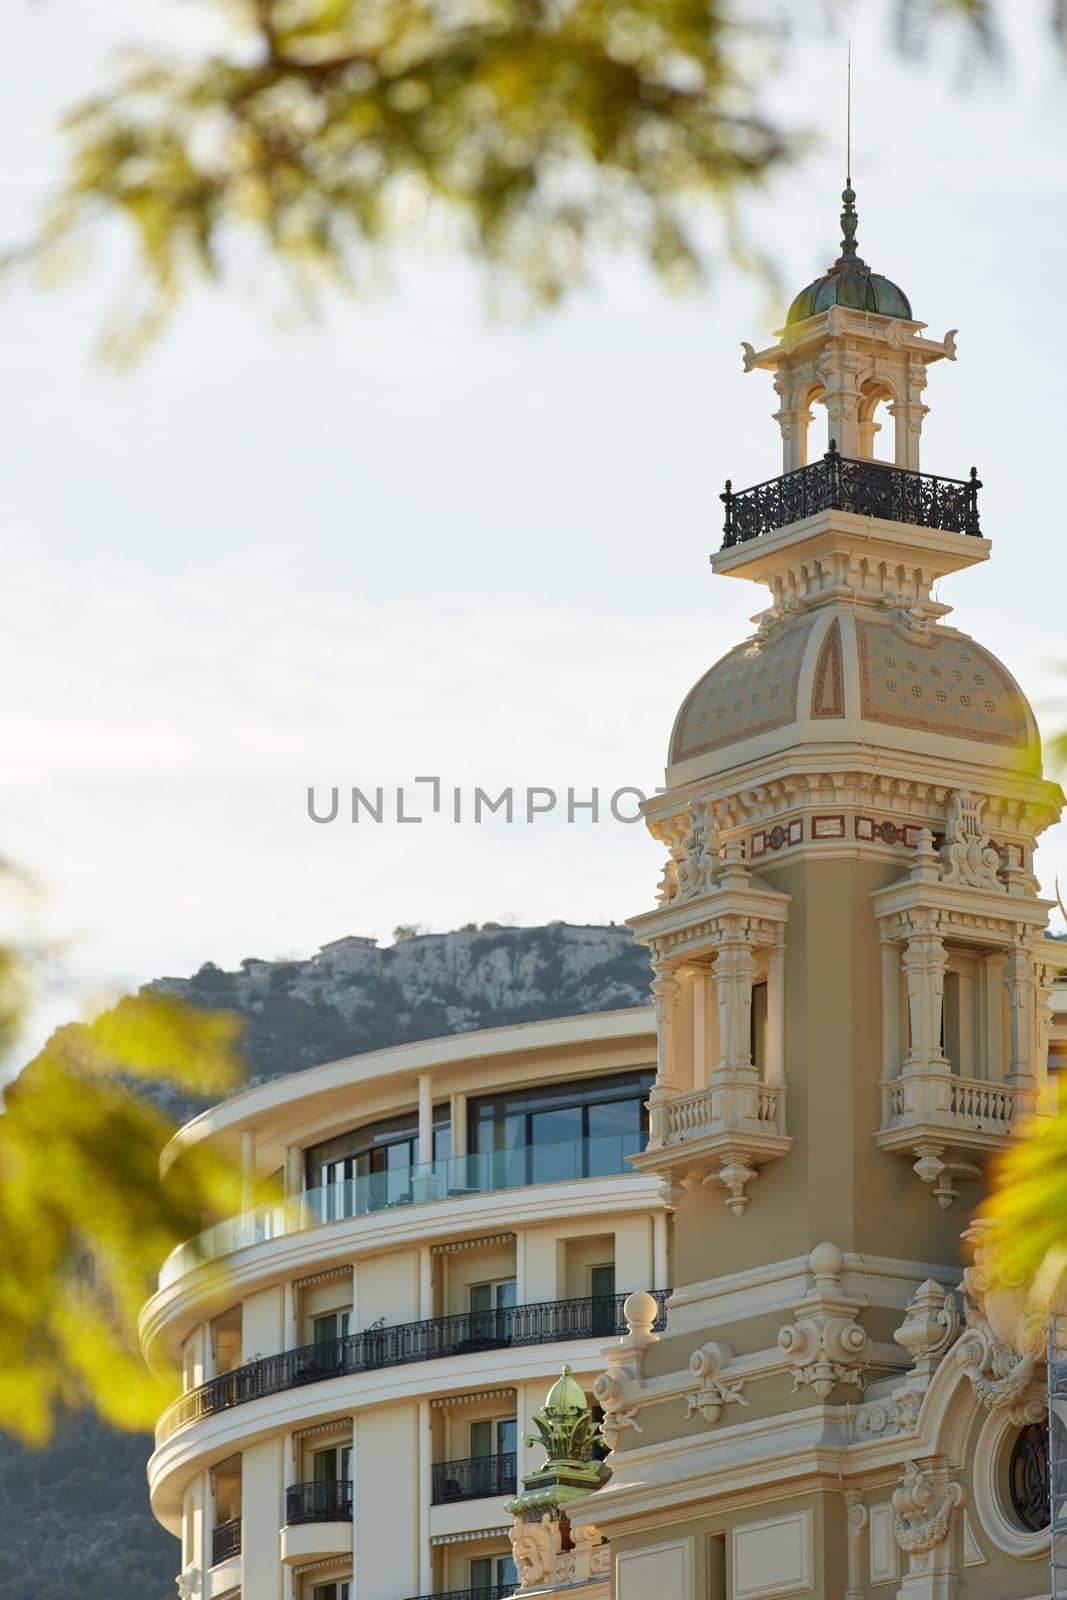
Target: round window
(1028, 1478)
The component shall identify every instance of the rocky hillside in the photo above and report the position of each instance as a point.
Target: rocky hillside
(75, 1517)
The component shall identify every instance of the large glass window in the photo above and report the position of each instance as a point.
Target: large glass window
(559, 1131)
(333, 1465)
(488, 1572)
(371, 1166)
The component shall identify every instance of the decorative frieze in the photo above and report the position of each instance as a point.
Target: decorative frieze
(883, 1419)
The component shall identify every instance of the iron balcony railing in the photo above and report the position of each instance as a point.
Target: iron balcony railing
(476, 1478)
(866, 488)
(488, 1591)
(596, 1316)
(225, 1541)
(319, 1502)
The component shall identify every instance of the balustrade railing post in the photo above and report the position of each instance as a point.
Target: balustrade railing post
(833, 477)
(728, 528)
(973, 486)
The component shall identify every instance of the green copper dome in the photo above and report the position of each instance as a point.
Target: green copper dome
(850, 281)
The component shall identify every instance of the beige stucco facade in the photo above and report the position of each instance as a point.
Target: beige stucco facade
(427, 1428)
(855, 1007)
(856, 1000)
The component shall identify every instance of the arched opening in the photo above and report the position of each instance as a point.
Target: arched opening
(806, 398)
(874, 407)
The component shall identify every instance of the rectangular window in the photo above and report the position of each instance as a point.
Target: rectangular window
(333, 1465)
(497, 1296)
(482, 1437)
(333, 1591)
(334, 1325)
(489, 1571)
(602, 1290)
(758, 1026)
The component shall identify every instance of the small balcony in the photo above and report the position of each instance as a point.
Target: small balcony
(318, 1522)
(949, 1125)
(464, 1333)
(476, 1478)
(225, 1541)
(319, 1502)
(864, 488)
(489, 1591)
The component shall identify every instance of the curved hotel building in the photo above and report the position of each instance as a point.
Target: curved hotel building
(461, 1218)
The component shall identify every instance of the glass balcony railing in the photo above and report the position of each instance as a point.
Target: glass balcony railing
(480, 1173)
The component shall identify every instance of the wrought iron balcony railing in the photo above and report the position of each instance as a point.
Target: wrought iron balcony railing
(590, 1317)
(225, 1541)
(866, 488)
(319, 1502)
(476, 1478)
(489, 1591)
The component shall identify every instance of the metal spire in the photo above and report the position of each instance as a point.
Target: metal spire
(849, 219)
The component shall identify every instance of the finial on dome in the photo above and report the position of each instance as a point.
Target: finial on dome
(849, 223)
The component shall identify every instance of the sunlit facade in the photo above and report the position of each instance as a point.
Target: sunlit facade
(359, 1361)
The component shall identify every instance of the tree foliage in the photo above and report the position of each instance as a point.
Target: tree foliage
(529, 133)
(85, 1217)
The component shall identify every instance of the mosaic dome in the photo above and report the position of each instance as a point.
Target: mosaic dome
(850, 281)
(843, 677)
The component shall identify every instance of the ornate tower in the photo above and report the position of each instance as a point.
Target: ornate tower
(852, 981)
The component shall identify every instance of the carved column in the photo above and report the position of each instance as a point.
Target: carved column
(1019, 977)
(735, 973)
(891, 1044)
(993, 1052)
(839, 370)
(774, 1072)
(908, 416)
(856, 1514)
(665, 992)
(924, 967)
(1044, 977)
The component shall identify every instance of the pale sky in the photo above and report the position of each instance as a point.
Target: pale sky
(412, 541)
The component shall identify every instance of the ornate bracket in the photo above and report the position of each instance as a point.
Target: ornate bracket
(922, 1513)
(826, 1346)
(1001, 1374)
(189, 1582)
(713, 1392)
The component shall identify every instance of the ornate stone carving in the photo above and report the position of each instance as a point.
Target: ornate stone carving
(881, 1419)
(698, 862)
(931, 1323)
(922, 1512)
(535, 1546)
(857, 1517)
(826, 1346)
(615, 1389)
(713, 1392)
(609, 1391)
(189, 1582)
(967, 857)
(1003, 1374)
